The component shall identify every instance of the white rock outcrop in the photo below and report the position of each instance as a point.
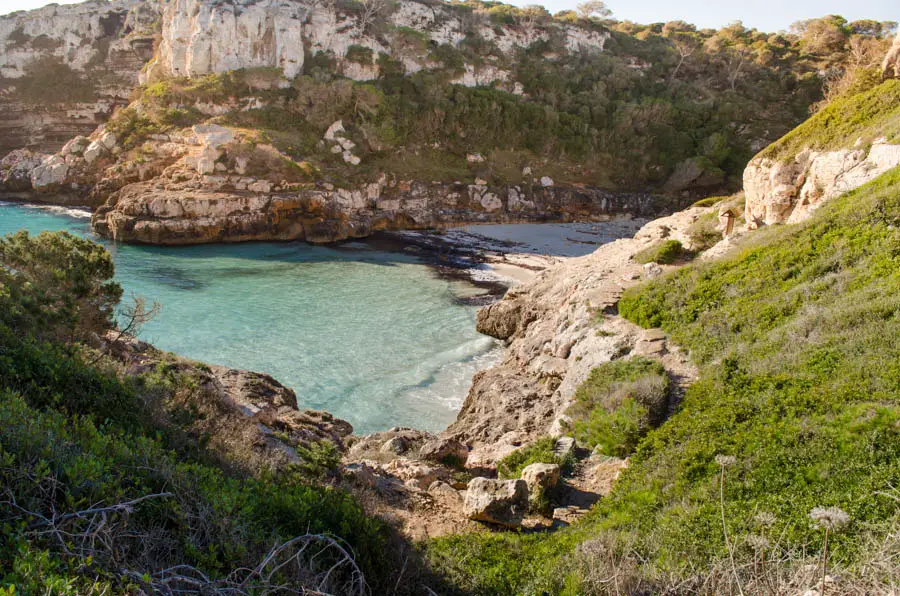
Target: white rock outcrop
(788, 191)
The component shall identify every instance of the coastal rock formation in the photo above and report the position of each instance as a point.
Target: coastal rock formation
(787, 191)
(92, 51)
(557, 333)
(209, 184)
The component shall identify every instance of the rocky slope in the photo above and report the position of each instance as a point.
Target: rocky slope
(249, 419)
(211, 183)
(559, 326)
(787, 192)
(64, 69)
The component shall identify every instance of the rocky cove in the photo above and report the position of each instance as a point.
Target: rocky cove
(421, 269)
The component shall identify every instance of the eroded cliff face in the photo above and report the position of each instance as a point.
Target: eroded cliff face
(201, 37)
(788, 191)
(95, 49)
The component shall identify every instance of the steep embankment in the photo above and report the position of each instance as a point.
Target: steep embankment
(558, 331)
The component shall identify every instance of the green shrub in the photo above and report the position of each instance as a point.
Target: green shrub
(619, 403)
(49, 81)
(705, 231)
(796, 338)
(541, 451)
(131, 128)
(664, 253)
(360, 54)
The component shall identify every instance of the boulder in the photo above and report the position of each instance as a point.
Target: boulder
(444, 451)
(50, 173)
(541, 476)
(414, 474)
(334, 130)
(16, 168)
(546, 181)
(93, 151)
(446, 493)
(499, 320)
(565, 447)
(395, 445)
(502, 502)
(652, 270)
(76, 146)
(360, 474)
(210, 135)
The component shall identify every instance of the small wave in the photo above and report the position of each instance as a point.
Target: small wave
(75, 212)
(445, 378)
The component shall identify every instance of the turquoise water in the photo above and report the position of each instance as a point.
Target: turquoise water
(373, 337)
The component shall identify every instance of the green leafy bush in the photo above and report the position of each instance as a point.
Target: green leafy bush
(619, 403)
(664, 253)
(49, 80)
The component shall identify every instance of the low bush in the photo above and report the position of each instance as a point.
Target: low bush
(664, 253)
(618, 404)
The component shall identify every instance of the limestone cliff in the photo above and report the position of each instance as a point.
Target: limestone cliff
(786, 192)
(849, 143)
(64, 69)
(201, 37)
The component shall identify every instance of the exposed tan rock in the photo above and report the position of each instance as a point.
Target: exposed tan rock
(541, 476)
(502, 502)
(446, 451)
(788, 191)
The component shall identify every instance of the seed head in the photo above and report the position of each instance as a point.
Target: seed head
(765, 519)
(725, 460)
(758, 542)
(830, 518)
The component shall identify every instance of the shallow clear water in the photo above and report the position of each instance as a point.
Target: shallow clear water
(373, 337)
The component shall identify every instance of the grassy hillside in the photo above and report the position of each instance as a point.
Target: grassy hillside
(798, 338)
(862, 118)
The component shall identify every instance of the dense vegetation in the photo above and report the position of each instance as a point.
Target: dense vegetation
(796, 336)
(656, 109)
(100, 497)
